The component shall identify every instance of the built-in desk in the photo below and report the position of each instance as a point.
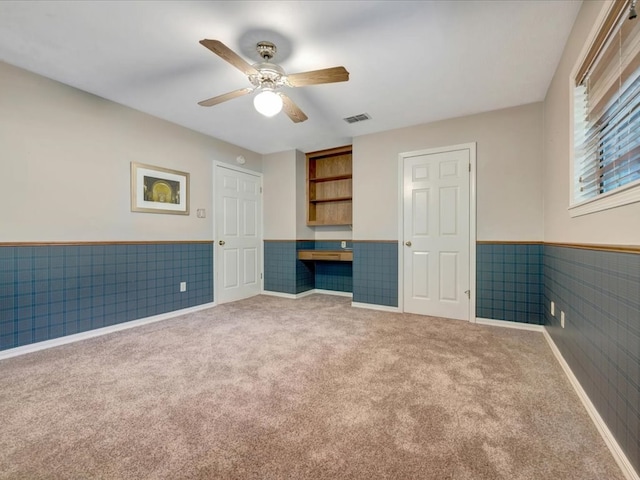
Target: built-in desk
(326, 255)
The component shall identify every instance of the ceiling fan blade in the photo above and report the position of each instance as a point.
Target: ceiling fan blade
(292, 110)
(316, 77)
(229, 55)
(223, 98)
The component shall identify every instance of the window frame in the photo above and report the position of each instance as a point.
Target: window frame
(625, 195)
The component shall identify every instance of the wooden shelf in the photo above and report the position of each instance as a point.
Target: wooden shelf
(316, 223)
(326, 255)
(333, 199)
(329, 187)
(330, 179)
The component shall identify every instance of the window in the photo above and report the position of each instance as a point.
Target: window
(606, 109)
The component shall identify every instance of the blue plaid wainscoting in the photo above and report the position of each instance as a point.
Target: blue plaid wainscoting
(49, 291)
(372, 277)
(599, 292)
(280, 266)
(337, 276)
(509, 281)
(283, 272)
(375, 272)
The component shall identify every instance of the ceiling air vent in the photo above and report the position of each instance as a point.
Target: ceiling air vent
(358, 118)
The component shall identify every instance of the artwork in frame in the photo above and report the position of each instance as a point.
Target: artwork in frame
(159, 190)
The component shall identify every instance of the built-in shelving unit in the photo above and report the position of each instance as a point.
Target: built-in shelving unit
(329, 187)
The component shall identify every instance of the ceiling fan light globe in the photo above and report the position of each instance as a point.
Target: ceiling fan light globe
(268, 103)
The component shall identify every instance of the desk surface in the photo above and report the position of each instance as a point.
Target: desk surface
(326, 255)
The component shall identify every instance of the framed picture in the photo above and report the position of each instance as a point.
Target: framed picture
(159, 190)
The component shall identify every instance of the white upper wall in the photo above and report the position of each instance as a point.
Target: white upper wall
(619, 225)
(303, 232)
(65, 165)
(279, 197)
(509, 173)
(65, 156)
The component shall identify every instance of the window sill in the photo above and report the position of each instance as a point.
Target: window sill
(623, 196)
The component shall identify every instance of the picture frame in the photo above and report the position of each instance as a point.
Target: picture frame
(159, 190)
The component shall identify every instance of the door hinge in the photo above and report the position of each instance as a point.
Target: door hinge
(261, 187)
(260, 276)
(469, 167)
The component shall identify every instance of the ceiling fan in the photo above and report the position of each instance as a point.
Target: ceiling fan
(267, 78)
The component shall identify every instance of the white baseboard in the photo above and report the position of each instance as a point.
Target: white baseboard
(307, 293)
(282, 295)
(370, 306)
(76, 337)
(292, 296)
(619, 456)
(507, 324)
(333, 292)
(373, 306)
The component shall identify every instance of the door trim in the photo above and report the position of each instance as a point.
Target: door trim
(472, 219)
(218, 164)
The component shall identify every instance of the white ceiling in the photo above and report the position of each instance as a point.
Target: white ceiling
(410, 62)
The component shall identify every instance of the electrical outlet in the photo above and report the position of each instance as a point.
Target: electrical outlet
(553, 308)
(561, 318)
(343, 244)
(201, 213)
(183, 286)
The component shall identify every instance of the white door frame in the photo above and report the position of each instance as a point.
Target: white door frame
(472, 219)
(216, 264)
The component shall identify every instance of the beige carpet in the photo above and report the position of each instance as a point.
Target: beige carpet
(270, 388)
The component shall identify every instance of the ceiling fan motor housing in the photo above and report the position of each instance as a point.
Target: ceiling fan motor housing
(270, 76)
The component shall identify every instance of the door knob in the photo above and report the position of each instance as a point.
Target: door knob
(221, 242)
(408, 244)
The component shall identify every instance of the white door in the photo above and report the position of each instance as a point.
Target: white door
(436, 213)
(238, 238)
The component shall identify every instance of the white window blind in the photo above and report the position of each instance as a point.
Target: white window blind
(607, 109)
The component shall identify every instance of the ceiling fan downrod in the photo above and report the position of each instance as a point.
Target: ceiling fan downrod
(266, 50)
